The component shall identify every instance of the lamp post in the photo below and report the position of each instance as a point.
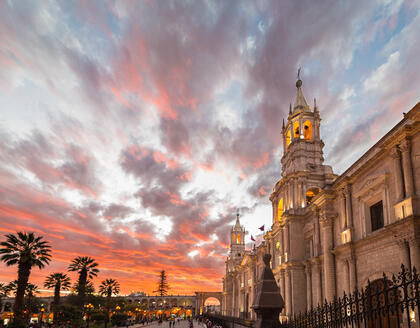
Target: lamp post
(137, 313)
(42, 314)
(88, 308)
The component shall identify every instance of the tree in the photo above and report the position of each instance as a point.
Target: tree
(163, 285)
(59, 281)
(86, 267)
(30, 292)
(89, 290)
(108, 288)
(4, 290)
(68, 313)
(26, 251)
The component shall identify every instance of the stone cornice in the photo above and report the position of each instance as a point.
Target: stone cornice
(345, 251)
(324, 197)
(402, 230)
(408, 126)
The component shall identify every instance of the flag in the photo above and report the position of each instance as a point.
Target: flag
(252, 238)
(261, 228)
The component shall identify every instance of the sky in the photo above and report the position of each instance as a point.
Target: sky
(132, 131)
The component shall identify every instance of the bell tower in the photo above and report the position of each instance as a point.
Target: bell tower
(304, 173)
(237, 245)
(302, 145)
(237, 242)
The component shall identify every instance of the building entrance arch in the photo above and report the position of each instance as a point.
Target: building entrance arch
(202, 297)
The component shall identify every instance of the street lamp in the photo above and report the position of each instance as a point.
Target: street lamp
(88, 308)
(42, 314)
(137, 310)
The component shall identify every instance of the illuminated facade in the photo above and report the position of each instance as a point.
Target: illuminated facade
(331, 234)
(138, 306)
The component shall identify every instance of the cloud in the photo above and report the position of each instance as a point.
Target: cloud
(135, 142)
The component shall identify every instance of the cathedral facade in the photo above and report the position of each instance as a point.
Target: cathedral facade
(330, 234)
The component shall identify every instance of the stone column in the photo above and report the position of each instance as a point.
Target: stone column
(344, 210)
(234, 283)
(286, 239)
(317, 245)
(329, 266)
(352, 274)
(404, 253)
(395, 154)
(408, 169)
(281, 242)
(288, 293)
(349, 210)
(317, 284)
(346, 284)
(283, 285)
(308, 273)
(414, 244)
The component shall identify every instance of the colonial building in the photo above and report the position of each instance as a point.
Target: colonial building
(139, 304)
(331, 234)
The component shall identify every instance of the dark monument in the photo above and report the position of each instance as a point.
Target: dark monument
(268, 302)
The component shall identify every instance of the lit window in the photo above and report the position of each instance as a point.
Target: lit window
(296, 129)
(307, 130)
(288, 138)
(280, 210)
(310, 194)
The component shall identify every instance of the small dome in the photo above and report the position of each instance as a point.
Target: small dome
(298, 83)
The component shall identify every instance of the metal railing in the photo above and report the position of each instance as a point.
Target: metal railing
(383, 303)
(227, 322)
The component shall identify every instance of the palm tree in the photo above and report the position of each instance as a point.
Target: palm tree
(86, 267)
(4, 290)
(30, 291)
(108, 288)
(26, 251)
(90, 288)
(59, 281)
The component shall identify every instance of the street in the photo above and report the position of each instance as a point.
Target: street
(165, 324)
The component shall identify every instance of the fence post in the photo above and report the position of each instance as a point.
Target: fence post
(268, 302)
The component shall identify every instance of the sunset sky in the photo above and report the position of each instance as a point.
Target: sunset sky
(131, 131)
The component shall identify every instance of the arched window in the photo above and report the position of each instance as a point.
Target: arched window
(288, 138)
(307, 130)
(239, 239)
(280, 210)
(296, 130)
(310, 194)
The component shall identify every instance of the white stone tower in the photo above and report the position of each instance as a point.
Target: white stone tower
(303, 176)
(237, 244)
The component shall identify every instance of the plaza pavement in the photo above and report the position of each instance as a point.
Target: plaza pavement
(181, 324)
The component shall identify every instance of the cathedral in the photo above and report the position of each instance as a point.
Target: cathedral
(330, 234)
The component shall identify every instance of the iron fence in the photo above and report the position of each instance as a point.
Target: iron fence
(227, 322)
(383, 303)
(389, 302)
